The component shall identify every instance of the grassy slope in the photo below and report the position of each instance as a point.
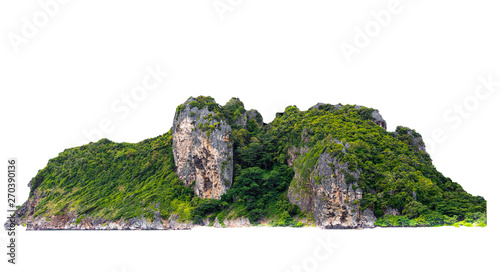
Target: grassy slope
(114, 180)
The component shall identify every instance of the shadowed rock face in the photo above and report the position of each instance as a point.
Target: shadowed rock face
(327, 194)
(202, 151)
(249, 115)
(378, 119)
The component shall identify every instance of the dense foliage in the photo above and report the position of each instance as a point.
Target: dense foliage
(260, 179)
(394, 172)
(120, 180)
(114, 180)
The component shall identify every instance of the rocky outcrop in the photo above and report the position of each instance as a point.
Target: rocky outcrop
(27, 210)
(244, 118)
(294, 152)
(25, 216)
(391, 211)
(378, 119)
(73, 222)
(202, 150)
(320, 106)
(416, 139)
(255, 115)
(330, 193)
(232, 223)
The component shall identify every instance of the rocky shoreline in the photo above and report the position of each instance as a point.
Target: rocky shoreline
(72, 222)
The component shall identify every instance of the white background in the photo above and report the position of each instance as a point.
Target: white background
(64, 80)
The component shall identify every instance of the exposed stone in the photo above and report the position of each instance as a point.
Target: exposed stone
(326, 194)
(253, 114)
(202, 151)
(216, 223)
(318, 106)
(293, 152)
(232, 223)
(378, 119)
(391, 211)
(305, 136)
(238, 222)
(417, 140)
(203, 157)
(247, 116)
(368, 220)
(26, 210)
(71, 221)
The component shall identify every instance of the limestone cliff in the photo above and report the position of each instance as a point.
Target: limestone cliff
(202, 150)
(329, 191)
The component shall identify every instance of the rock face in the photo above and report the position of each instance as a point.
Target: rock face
(416, 139)
(243, 120)
(24, 216)
(72, 222)
(233, 223)
(377, 118)
(253, 114)
(330, 194)
(202, 151)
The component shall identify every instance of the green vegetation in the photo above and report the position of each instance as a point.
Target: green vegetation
(200, 102)
(392, 167)
(233, 111)
(121, 180)
(114, 180)
(432, 219)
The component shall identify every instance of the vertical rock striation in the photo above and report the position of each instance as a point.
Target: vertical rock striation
(202, 150)
(329, 191)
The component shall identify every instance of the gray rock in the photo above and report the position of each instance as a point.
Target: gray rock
(326, 194)
(237, 223)
(203, 158)
(317, 106)
(417, 140)
(378, 119)
(369, 219)
(391, 211)
(253, 114)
